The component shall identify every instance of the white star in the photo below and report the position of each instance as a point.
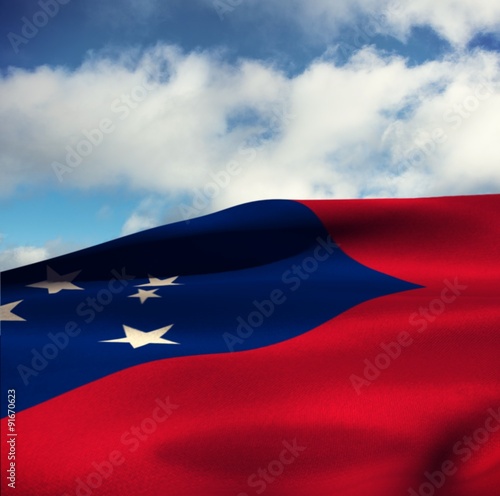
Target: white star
(6, 311)
(154, 281)
(138, 338)
(56, 282)
(145, 294)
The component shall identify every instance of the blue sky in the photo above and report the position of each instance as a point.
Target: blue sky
(121, 115)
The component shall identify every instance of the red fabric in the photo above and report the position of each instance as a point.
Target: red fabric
(237, 412)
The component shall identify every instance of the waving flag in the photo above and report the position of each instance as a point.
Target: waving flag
(293, 348)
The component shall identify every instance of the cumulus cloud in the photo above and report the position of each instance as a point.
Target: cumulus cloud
(21, 255)
(323, 20)
(18, 256)
(192, 126)
(457, 22)
(148, 214)
(163, 120)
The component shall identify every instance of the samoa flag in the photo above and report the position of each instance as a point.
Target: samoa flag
(295, 348)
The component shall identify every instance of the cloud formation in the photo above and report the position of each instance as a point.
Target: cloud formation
(165, 122)
(18, 256)
(193, 133)
(22, 255)
(457, 22)
(322, 20)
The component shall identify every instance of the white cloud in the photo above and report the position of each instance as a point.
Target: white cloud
(174, 121)
(137, 222)
(22, 255)
(148, 214)
(19, 256)
(457, 22)
(323, 20)
(349, 131)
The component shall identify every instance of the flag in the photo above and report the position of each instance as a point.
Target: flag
(279, 347)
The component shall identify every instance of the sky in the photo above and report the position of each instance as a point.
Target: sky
(121, 115)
